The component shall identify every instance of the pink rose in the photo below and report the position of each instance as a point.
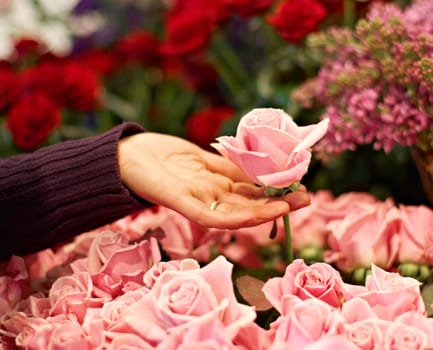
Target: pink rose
(243, 245)
(40, 263)
(112, 312)
(332, 342)
(415, 233)
(410, 331)
(368, 334)
(270, 148)
(337, 208)
(368, 234)
(134, 226)
(13, 284)
(206, 334)
(390, 295)
(181, 297)
(318, 281)
(55, 333)
(185, 239)
(306, 321)
(253, 336)
(152, 275)
(112, 254)
(309, 226)
(128, 341)
(73, 295)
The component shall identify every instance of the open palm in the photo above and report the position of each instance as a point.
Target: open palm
(177, 174)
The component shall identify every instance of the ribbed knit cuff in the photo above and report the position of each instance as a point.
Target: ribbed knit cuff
(57, 192)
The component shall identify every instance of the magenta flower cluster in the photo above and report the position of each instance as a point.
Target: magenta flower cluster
(376, 81)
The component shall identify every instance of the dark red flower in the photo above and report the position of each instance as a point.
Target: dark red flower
(70, 84)
(187, 32)
(25, 47)
(138, 47)
(216, 10)
(81, 88)
(248, 8)
(203, 126)
(9, 87)
(294, 19)
(103, 62)
(32, 119)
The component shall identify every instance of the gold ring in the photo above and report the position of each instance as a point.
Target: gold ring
(214, 205)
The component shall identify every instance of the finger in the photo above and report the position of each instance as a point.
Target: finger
(229, 215)
(297, 200)
(221, 165)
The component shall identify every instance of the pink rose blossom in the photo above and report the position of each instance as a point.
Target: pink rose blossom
(134, 226)
(13, 284)
(128, 341)
(357, 309)
(243, 245)
(111, 254)
(410, 331)
(332, 342)
(390, 295)
(368, 234)
(368, 334)
(112, 312)
(55, 333)
(304, 323)
(73, 295)
(335, 208)
(104, 286)
(152, 275)
(309, 226)
(318, 281)
(206, 334)
(181, 297)
(40, 263)
(253, 336)
(415, 233)
(185, 239)
(270, 148)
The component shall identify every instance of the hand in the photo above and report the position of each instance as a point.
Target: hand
(177, 174)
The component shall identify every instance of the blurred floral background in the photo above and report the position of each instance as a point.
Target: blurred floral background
(74, 68)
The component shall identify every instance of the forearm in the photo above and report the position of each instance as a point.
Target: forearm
(55, 193)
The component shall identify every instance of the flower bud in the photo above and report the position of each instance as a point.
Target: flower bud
(360, 274)
(420, 272)
(310, 254)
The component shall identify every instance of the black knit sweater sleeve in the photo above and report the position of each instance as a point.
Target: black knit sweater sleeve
(57, 192)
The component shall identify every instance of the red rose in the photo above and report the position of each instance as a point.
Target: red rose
(215, 9)
(43, 78)
(9, 87)
(70, 84)
(187, 32)
(247, 8)
(32, 119)
(27, 47)
(294, 19)
(138, 47)
(81, 88)
(203, 126)
(101, 61)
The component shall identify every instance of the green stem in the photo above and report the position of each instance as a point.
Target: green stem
(288, 236)
(349, 13)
